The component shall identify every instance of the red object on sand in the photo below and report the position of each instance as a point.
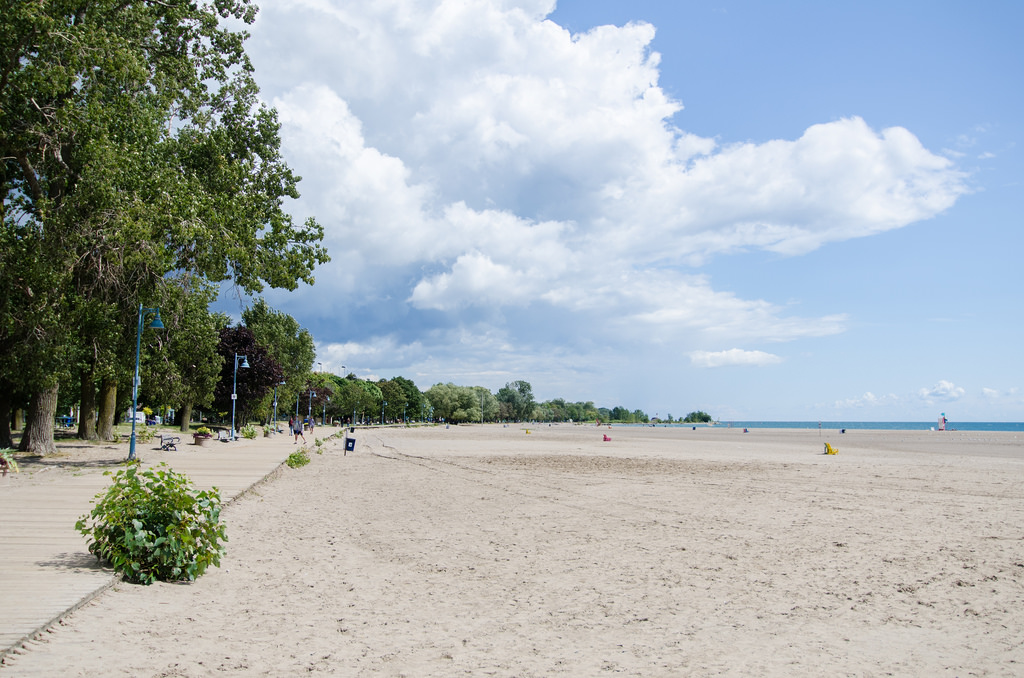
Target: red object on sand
(606, 438)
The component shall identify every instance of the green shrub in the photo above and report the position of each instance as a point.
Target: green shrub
(249, 431)
(152, 525)
(299, 457)
(8, 455)
(143, 434)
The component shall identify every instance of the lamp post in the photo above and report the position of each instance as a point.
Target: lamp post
(155, 324)
(382, 410)
(325, 410)
(234, 389)
(275, 404)
(309, 413)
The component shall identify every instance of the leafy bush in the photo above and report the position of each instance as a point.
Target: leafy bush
(203, 431)
(8, 456)
(248, 431)
(143, 434)
(153, 525)
(299, 457)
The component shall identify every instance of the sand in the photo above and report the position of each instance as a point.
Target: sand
(484, 550)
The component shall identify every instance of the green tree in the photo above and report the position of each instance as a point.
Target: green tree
(250, 384)
(290, 345)
(185, 368)
(320, 389)
(133, 144)
(488, 403)
(394, 395)
(414, 399)
(698, 417)
(444, 398)
(516, 400)
(359, 399)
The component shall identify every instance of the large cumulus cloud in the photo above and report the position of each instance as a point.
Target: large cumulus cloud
(473, 159)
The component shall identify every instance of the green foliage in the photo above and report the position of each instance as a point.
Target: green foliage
(143, 434)
(203, 431)
(251, 383)
(356, 395)
(152, 525)
(298, 458)
(516, 400)
(698, 417)
(133, 144)
(453, 403)
(186, 367)
(287, 342)
(249, 432)
(8, 456)
(560, 410)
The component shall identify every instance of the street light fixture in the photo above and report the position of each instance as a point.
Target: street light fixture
(157, 325)
(234, 389)
(382, 410)
(275, 404)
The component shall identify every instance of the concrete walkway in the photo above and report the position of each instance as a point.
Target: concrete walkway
(46, 570)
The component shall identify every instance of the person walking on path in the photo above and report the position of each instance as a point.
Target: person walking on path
(296, 426)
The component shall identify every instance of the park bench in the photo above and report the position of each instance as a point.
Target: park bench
(223, 436)
(169, 442)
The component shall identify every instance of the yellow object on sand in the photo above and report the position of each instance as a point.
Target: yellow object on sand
(527, 431)
(831, 450)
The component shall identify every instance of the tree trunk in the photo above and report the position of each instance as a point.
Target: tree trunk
(87, 410)
(108, 403)
(38, 436)
(6, 441)
(18, 420)
(186, 416)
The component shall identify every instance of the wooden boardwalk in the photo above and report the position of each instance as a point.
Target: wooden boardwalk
(46, 570)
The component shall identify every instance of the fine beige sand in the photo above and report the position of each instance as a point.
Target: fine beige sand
(490, 551)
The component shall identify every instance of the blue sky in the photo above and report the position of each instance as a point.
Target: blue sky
(796, 210)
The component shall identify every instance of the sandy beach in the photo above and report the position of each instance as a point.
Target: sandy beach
(487, 550)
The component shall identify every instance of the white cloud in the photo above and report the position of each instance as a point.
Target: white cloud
(473, 162)
(869, 399)
(734, 356)
(944, 391)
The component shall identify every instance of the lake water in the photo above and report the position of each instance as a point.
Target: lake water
(877, 425)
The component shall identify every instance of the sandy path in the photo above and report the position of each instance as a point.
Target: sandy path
(484, 551)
